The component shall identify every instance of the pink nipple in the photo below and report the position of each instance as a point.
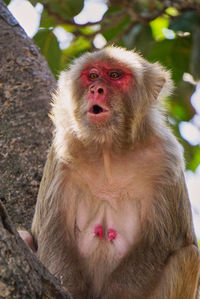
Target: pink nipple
(112, 234)
(98, 231)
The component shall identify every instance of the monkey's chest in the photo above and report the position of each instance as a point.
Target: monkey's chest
(109, 213)
(110, 229)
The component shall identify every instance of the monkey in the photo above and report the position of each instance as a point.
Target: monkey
(113, 218)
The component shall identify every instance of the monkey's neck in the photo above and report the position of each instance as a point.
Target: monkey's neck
(107, 164)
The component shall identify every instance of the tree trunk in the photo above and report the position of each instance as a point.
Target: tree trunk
(22, 276)
(25, 87)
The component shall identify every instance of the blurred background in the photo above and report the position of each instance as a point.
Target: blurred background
(164, 31)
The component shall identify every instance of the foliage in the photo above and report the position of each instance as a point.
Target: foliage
(165, 31)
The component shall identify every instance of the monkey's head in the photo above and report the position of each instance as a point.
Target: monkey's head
(105, 95)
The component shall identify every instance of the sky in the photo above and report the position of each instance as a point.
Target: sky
(29, 18)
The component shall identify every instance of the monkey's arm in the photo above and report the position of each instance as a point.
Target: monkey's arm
(45, 185)
(55, 251)
(165, 263)
(180, 277)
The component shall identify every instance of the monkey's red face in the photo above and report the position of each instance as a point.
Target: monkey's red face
(102, 82)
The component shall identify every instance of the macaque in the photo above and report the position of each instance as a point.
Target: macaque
(113, 218)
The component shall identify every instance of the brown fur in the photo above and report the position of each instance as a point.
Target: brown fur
(127, 173)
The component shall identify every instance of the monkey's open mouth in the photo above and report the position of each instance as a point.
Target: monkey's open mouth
(98, 114)
(96, 109)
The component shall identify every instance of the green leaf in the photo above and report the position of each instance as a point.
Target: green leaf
(66, 8)
(69, 28)
(157, 26)
(34, 2)
(179, 111)
(6, 1)
(172, 11)
(74, 7)
(89, 29)
(195, 160)
(113, 9)
(174, 54)
(47, 21)
(139, 37)
(49, 46)
(111, 33)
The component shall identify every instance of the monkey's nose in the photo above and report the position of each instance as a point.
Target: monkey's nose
(96, 89)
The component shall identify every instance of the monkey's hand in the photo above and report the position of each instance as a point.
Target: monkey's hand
(28, 239)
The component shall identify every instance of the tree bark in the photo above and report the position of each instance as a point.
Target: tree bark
(22, 276)
(26, 84)
(25, 87)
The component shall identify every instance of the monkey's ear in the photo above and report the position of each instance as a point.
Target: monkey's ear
(157, 81)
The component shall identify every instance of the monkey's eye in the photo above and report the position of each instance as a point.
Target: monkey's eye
(116, 74)
(93, 76)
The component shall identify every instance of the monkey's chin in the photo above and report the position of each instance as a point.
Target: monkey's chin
(99, 118)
